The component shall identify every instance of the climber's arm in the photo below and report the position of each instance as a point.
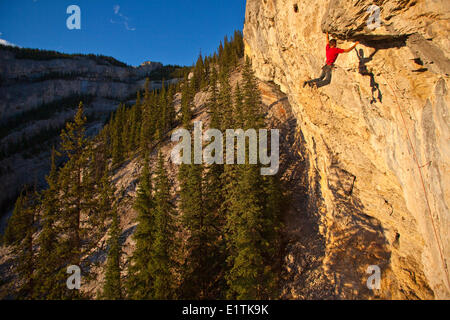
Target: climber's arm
(328, 39)
(352, 47)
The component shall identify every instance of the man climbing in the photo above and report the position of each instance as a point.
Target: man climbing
(332, 52)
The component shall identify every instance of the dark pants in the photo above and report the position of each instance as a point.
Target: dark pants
(324, 78)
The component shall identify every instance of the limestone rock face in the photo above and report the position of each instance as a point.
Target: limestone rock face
(375, 143)
(25, 83)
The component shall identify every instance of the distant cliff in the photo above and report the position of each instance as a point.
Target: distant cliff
(376, 142)
(27, 82)
(39, 92)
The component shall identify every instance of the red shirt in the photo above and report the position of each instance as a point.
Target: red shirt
(332, 54)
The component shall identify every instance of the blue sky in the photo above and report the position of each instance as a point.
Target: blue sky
(132, 31)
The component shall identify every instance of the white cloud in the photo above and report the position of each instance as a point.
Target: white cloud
(122, 19)
(6, 43)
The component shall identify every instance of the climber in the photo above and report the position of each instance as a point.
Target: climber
(332, 52)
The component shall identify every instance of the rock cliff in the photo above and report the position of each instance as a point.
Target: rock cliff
(375, 143)
(30, 80)
(27, 83)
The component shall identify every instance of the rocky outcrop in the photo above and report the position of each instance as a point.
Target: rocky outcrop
(374, 141)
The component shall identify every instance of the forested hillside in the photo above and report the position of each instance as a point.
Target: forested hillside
(201, 231)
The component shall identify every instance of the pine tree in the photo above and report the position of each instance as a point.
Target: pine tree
(200, 206)
(225, 101)
(193, 218)
(238, 112)
(18, 224)
(252, 115)
(139, 284)
(213, 102)
(73, 141)
(187, 97)
(48, 262)
(171, 114)
(73, 197)
(164, 247)
(252, 213)
(19, 233)
(112, 289)
(147, 124)
(105, 205)
(93, 226)
(136, 121)
(126, 128)
(199, 80)
(161, 125)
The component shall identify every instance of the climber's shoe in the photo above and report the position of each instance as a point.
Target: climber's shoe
(305, 83)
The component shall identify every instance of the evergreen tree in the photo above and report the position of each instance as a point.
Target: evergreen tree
(161, 125)
(252, 115)
(19, 233)
(73, 141)
(252, 213)
(104, 206)
(213, 102)
(73, 198)
(199, 80)
(148, 115)
(126, 129)
(112, 289)
(135, 124)
(194, 216)
(163, 262)
(171, 114)
(238, 112)
(200, 205)
(225, 101)
(48, 262)
(93, 226)
(18, 223)
(140, 280)
(187, 97)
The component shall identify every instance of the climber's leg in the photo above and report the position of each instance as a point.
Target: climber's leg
(314, 82)
(326, 79)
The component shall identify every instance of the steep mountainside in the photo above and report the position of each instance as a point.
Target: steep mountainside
(376, 141)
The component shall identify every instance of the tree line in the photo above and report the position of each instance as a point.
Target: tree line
(38, 54)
